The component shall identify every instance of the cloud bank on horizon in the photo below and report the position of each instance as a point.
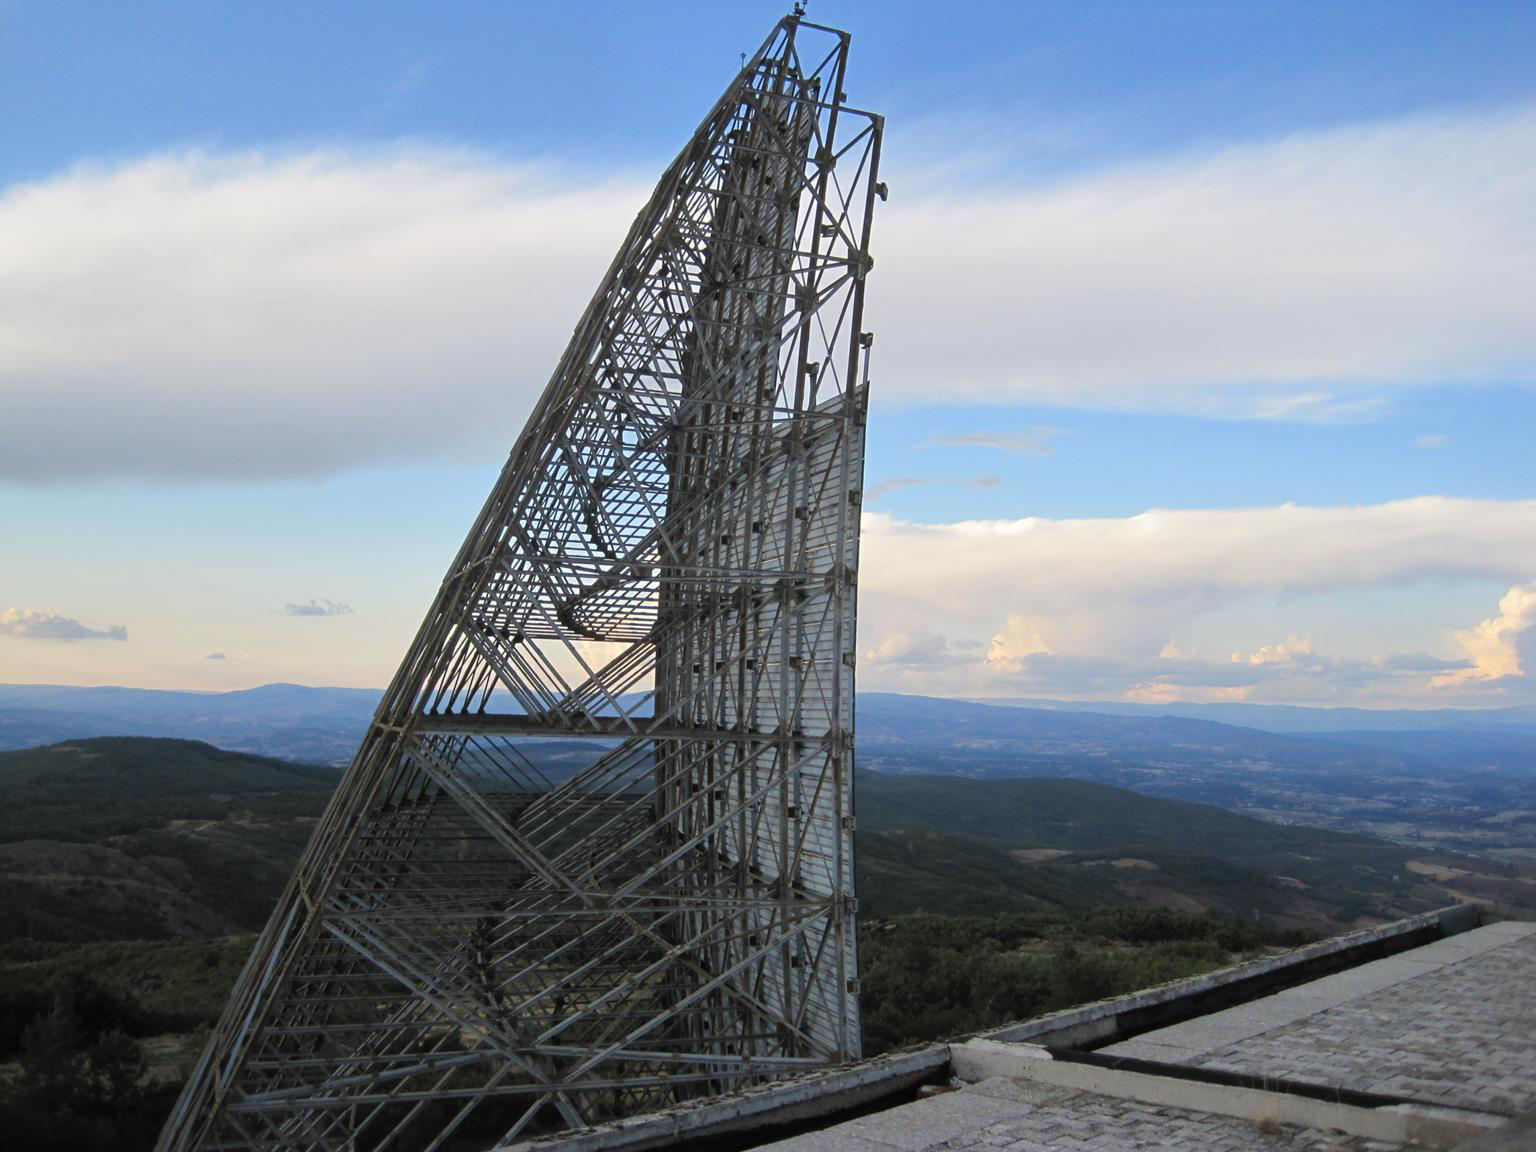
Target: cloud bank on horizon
(1104, 607)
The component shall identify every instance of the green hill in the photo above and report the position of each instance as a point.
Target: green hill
(128, 867)
(901, 871)
(125, 837)
(944, 843)
(1087, 817)
(87, 789)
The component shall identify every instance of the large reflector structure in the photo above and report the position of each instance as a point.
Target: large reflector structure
(595, 854)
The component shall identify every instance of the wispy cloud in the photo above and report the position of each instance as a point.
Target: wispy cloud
(1035, 442)
(320, 607)
(886, 487)
(33, 624)
(875, 491)
(1437, 440)
(411, 78)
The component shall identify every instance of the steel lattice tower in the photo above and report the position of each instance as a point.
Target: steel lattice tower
(595, 854)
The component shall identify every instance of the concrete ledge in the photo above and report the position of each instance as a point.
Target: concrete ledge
(1109, 1021)
(1441, 1128)
(779, 1105)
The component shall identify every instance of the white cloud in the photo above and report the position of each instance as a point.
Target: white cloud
(1502, 646)
(1436, 440)
(1019, 640)
(34, 624)
(1087, 607)
(280, 315)
(298, 314)
(918, 650)
(1301, 278)
(1287, 651)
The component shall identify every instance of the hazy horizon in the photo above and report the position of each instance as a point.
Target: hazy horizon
(1078, 703)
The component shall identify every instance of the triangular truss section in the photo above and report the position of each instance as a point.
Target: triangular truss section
(595, 854)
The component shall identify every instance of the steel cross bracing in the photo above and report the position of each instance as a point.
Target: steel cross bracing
(595, 854)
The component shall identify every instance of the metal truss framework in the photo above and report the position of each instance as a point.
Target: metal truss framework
(595, 854)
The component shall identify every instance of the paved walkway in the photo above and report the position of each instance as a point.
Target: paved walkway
(1453, 1022)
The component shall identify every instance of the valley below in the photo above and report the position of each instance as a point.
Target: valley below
(1047, 855)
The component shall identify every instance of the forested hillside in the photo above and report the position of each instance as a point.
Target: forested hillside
(132, 872)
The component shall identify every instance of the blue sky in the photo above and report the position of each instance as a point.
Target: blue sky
(1057, 86)
(1466, 441)
(1204, 354)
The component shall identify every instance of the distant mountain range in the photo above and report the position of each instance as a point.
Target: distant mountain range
(1463, 780)
(324, 725)
(1294, 718)
(292, 721)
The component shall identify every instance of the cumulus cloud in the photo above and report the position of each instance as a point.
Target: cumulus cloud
(1287, 651)
(1503, 646)
(321, 607)
(300, 314)
(33, 624)
(1019, 640)
(1088, 606)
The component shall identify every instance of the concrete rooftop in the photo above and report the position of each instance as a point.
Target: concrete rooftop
(1418, 1034)
(1447, 1029)
(1452, 1023)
